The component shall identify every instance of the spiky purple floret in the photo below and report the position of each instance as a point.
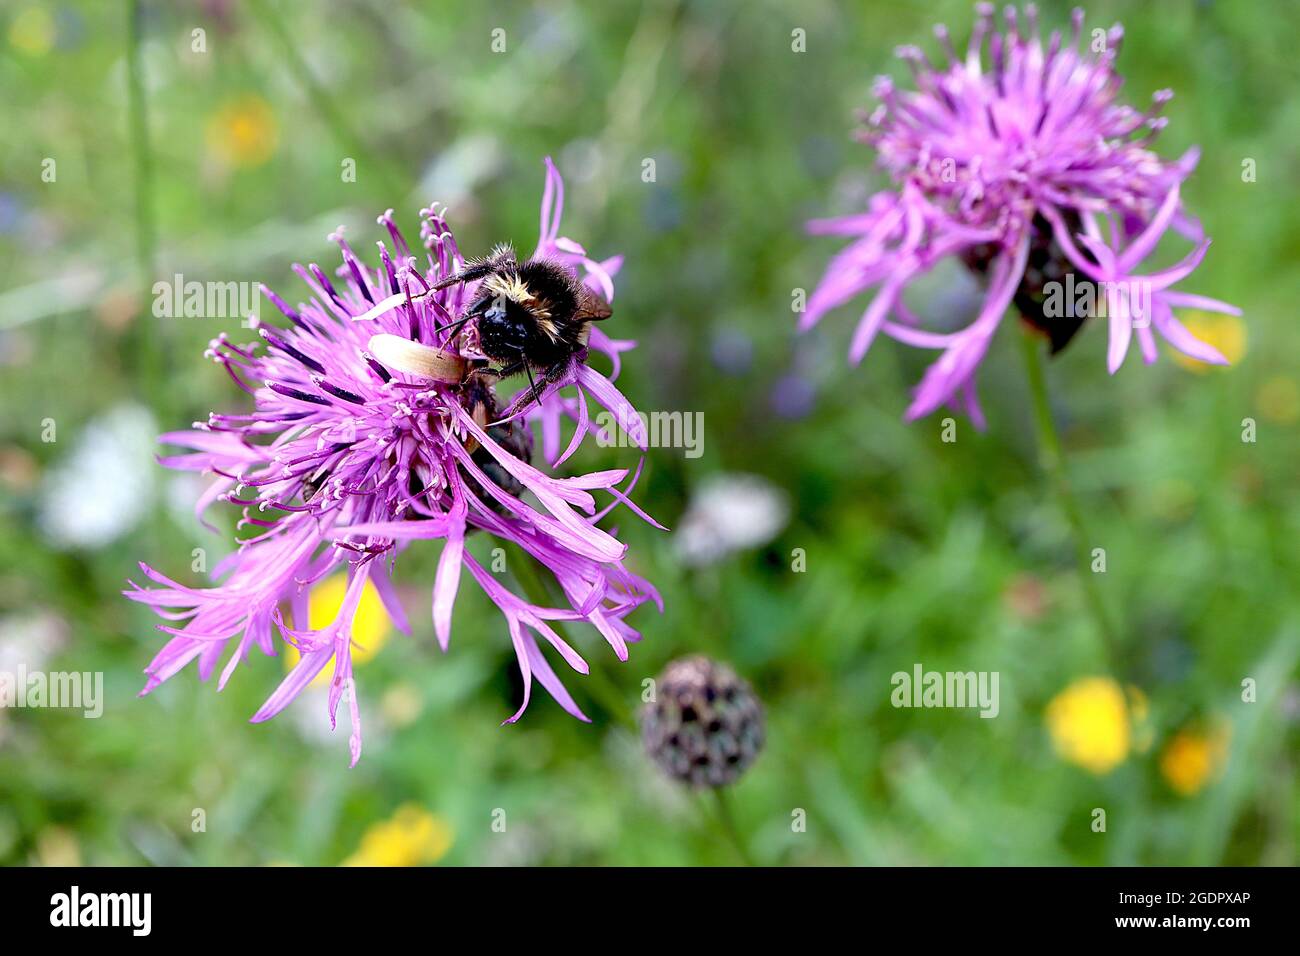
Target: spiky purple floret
(984, 155)
(344, 461)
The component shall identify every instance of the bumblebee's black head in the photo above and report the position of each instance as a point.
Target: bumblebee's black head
(504, 327)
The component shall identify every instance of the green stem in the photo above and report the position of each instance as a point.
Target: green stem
(722, 798)
(152, 344)
(1053, 461)
(321, 100)
(141, 154)
(598, 684)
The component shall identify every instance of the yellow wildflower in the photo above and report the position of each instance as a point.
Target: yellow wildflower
(1193, 757)
(243, 132)
(370, 627)
(1090, 724)
(32, 31)
(1227, 333)
(411, 837)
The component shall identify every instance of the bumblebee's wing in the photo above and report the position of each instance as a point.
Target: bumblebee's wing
(592, 307)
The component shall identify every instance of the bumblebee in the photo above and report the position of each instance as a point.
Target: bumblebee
(532, 316)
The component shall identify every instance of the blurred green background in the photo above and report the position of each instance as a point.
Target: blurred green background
(951, 555)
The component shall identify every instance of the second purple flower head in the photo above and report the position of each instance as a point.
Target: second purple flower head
(1023, 166)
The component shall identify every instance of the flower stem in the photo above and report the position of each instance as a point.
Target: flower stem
(1053, 461)
(141, 153)
(153, 344)
(345, 135)
(722, 798)
(598, 684)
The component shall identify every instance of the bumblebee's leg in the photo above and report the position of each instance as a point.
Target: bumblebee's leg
(556, 372)
(532, 386)
(501, 257)
(524, 398)
(534, 392)
(471, 272)
(549, 377)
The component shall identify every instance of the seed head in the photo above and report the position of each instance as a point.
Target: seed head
(705, 725)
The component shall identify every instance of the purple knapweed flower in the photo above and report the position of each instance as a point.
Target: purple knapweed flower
(1026, 170)
(373, 428)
